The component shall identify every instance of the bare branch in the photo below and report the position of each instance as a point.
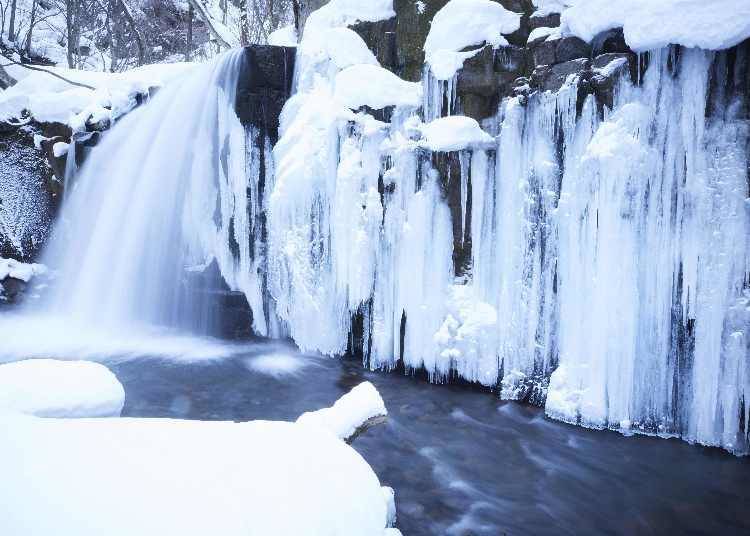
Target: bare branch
(30, 67)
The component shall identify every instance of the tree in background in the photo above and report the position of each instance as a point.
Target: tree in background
(115, 35)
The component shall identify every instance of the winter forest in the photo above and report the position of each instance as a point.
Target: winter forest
(374, 267)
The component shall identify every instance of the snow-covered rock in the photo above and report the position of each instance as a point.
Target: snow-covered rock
(648, 24)
(463, 23)
(20, 270)
(49, 388)
(49, 99)
(338, 13)
(190, 477)
(373, 86)
(453, 133)
(349, 412)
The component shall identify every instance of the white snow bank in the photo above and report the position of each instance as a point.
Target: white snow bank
(344, 47)
(453, 133)
(286, 36)
(649, 24)
(153, 477)
(548, 7)
(347, 12)
(20, 270)
(463, 23)
(49, 388)
(49, 99)
(349, 412)
(373, 86)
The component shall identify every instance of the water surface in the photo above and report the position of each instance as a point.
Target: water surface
(461, 461)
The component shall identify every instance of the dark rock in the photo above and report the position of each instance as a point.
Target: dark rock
(380, 38)
(488, 77)
(609, 41)
(264, 85)
(544, 52)
(607, 69)
(27, 204)
(552, 78)
(12, 291)
(571, 48)
(448, 166)
(546, 21)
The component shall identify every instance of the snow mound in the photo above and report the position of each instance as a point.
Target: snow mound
(49, 99)
(348, 413)
(49, 388)
(464, 23)
(20, 270)
(373, 86)
(648, 24)
(453, 133)
(190, 478)
(347, 12)
(286, 36)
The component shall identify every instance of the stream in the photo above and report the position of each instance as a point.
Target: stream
(461, 461)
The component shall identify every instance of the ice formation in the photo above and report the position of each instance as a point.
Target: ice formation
(608, 250)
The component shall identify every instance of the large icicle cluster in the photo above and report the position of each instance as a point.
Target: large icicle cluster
(609, 259)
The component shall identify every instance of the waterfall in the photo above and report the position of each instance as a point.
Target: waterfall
(158, 199)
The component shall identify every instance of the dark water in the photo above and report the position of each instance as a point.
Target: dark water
(463, 462)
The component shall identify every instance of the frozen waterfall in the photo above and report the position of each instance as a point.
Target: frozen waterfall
(590, 258)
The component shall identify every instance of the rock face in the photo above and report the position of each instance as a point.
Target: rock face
(27, 192)
(265, 85)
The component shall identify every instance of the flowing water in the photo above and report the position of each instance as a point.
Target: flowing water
(461, 461)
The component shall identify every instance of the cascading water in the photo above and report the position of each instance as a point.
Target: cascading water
(158, 199)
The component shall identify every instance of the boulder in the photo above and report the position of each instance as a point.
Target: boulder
(552, 78)
(607, 69)
(265, 84)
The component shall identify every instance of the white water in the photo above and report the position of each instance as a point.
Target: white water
(156, 200)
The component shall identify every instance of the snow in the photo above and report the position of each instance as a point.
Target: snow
(337, 13)
(548, 7)
(348, 413)
(48, 388)
(649, 25)
(60, 149)
(49, 99)
(453, 133)
(375, 87)
(183, 477)
(286, 36)
(19, 270)
(464, 23)
(542, 32)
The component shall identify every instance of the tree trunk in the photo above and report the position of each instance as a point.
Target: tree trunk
(244, 40)
(12, 23)
(206, 17)
(189, 44)
(31, 28)
(71, 26)
(134, 29)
